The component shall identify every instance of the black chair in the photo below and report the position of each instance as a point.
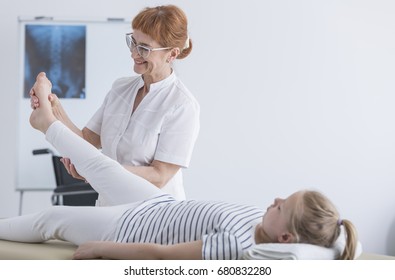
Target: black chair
(68, 190)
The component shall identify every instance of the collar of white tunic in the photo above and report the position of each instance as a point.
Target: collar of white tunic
(161, 84)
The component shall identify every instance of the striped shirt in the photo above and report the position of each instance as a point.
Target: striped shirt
(226, 229)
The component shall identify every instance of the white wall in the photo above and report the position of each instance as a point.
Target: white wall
(293, 94)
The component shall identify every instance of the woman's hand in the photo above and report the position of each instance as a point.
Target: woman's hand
(35, 103)
(71, 169)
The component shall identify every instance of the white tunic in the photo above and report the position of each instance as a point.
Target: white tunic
(163, 127)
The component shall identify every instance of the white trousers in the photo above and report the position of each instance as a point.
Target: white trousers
(120, 188)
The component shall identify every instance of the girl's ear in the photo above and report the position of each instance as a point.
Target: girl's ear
(286, 237)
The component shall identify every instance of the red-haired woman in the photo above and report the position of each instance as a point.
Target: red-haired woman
(149, 123)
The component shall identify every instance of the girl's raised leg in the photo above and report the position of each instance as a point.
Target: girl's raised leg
(111, 180)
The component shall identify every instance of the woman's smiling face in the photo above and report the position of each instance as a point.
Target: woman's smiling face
(155, 64)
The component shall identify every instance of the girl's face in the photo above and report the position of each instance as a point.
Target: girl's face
(156, 63)
(273, 227)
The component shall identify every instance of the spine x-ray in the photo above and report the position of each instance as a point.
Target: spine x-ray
(58, 50)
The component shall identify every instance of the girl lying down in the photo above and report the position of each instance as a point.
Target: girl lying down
(145, 223)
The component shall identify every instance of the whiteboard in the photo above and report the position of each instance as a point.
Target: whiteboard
(103, 55)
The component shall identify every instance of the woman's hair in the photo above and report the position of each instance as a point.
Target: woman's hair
(167, 25)
(316, 221)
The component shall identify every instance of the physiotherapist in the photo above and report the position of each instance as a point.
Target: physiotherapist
(148, 123)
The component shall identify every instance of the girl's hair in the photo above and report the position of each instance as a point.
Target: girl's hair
(167, 25)
(316, 221)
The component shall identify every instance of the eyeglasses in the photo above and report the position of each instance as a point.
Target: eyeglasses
(143, 51)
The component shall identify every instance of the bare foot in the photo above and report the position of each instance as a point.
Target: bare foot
(42, 117)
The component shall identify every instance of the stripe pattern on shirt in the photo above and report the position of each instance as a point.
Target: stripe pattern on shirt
(224, 228)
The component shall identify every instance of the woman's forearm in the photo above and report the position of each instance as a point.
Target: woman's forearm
(85, 133)
(62, 116)
(158, 173)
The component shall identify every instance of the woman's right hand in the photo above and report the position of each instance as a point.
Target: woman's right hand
(35, 103)
(71, 169)
(33, 100)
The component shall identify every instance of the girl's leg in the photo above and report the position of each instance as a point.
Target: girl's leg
(110, 179)
(114, 183)
(73, 224)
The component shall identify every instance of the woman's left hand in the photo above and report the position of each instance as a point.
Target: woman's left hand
(71, 169)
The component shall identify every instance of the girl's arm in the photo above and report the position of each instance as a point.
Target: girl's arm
(139, 251)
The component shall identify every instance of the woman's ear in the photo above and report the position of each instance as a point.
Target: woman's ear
(286, 237)
(173, 54)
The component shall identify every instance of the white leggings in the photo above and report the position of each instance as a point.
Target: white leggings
(119, 188)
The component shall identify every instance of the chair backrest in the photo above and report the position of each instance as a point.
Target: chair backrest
(68, 190)
(71, 191)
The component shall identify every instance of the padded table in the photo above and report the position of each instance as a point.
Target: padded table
(61, 250)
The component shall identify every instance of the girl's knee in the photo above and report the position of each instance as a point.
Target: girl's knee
(49, 216)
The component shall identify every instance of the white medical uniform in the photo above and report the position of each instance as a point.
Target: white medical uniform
(163, 127)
